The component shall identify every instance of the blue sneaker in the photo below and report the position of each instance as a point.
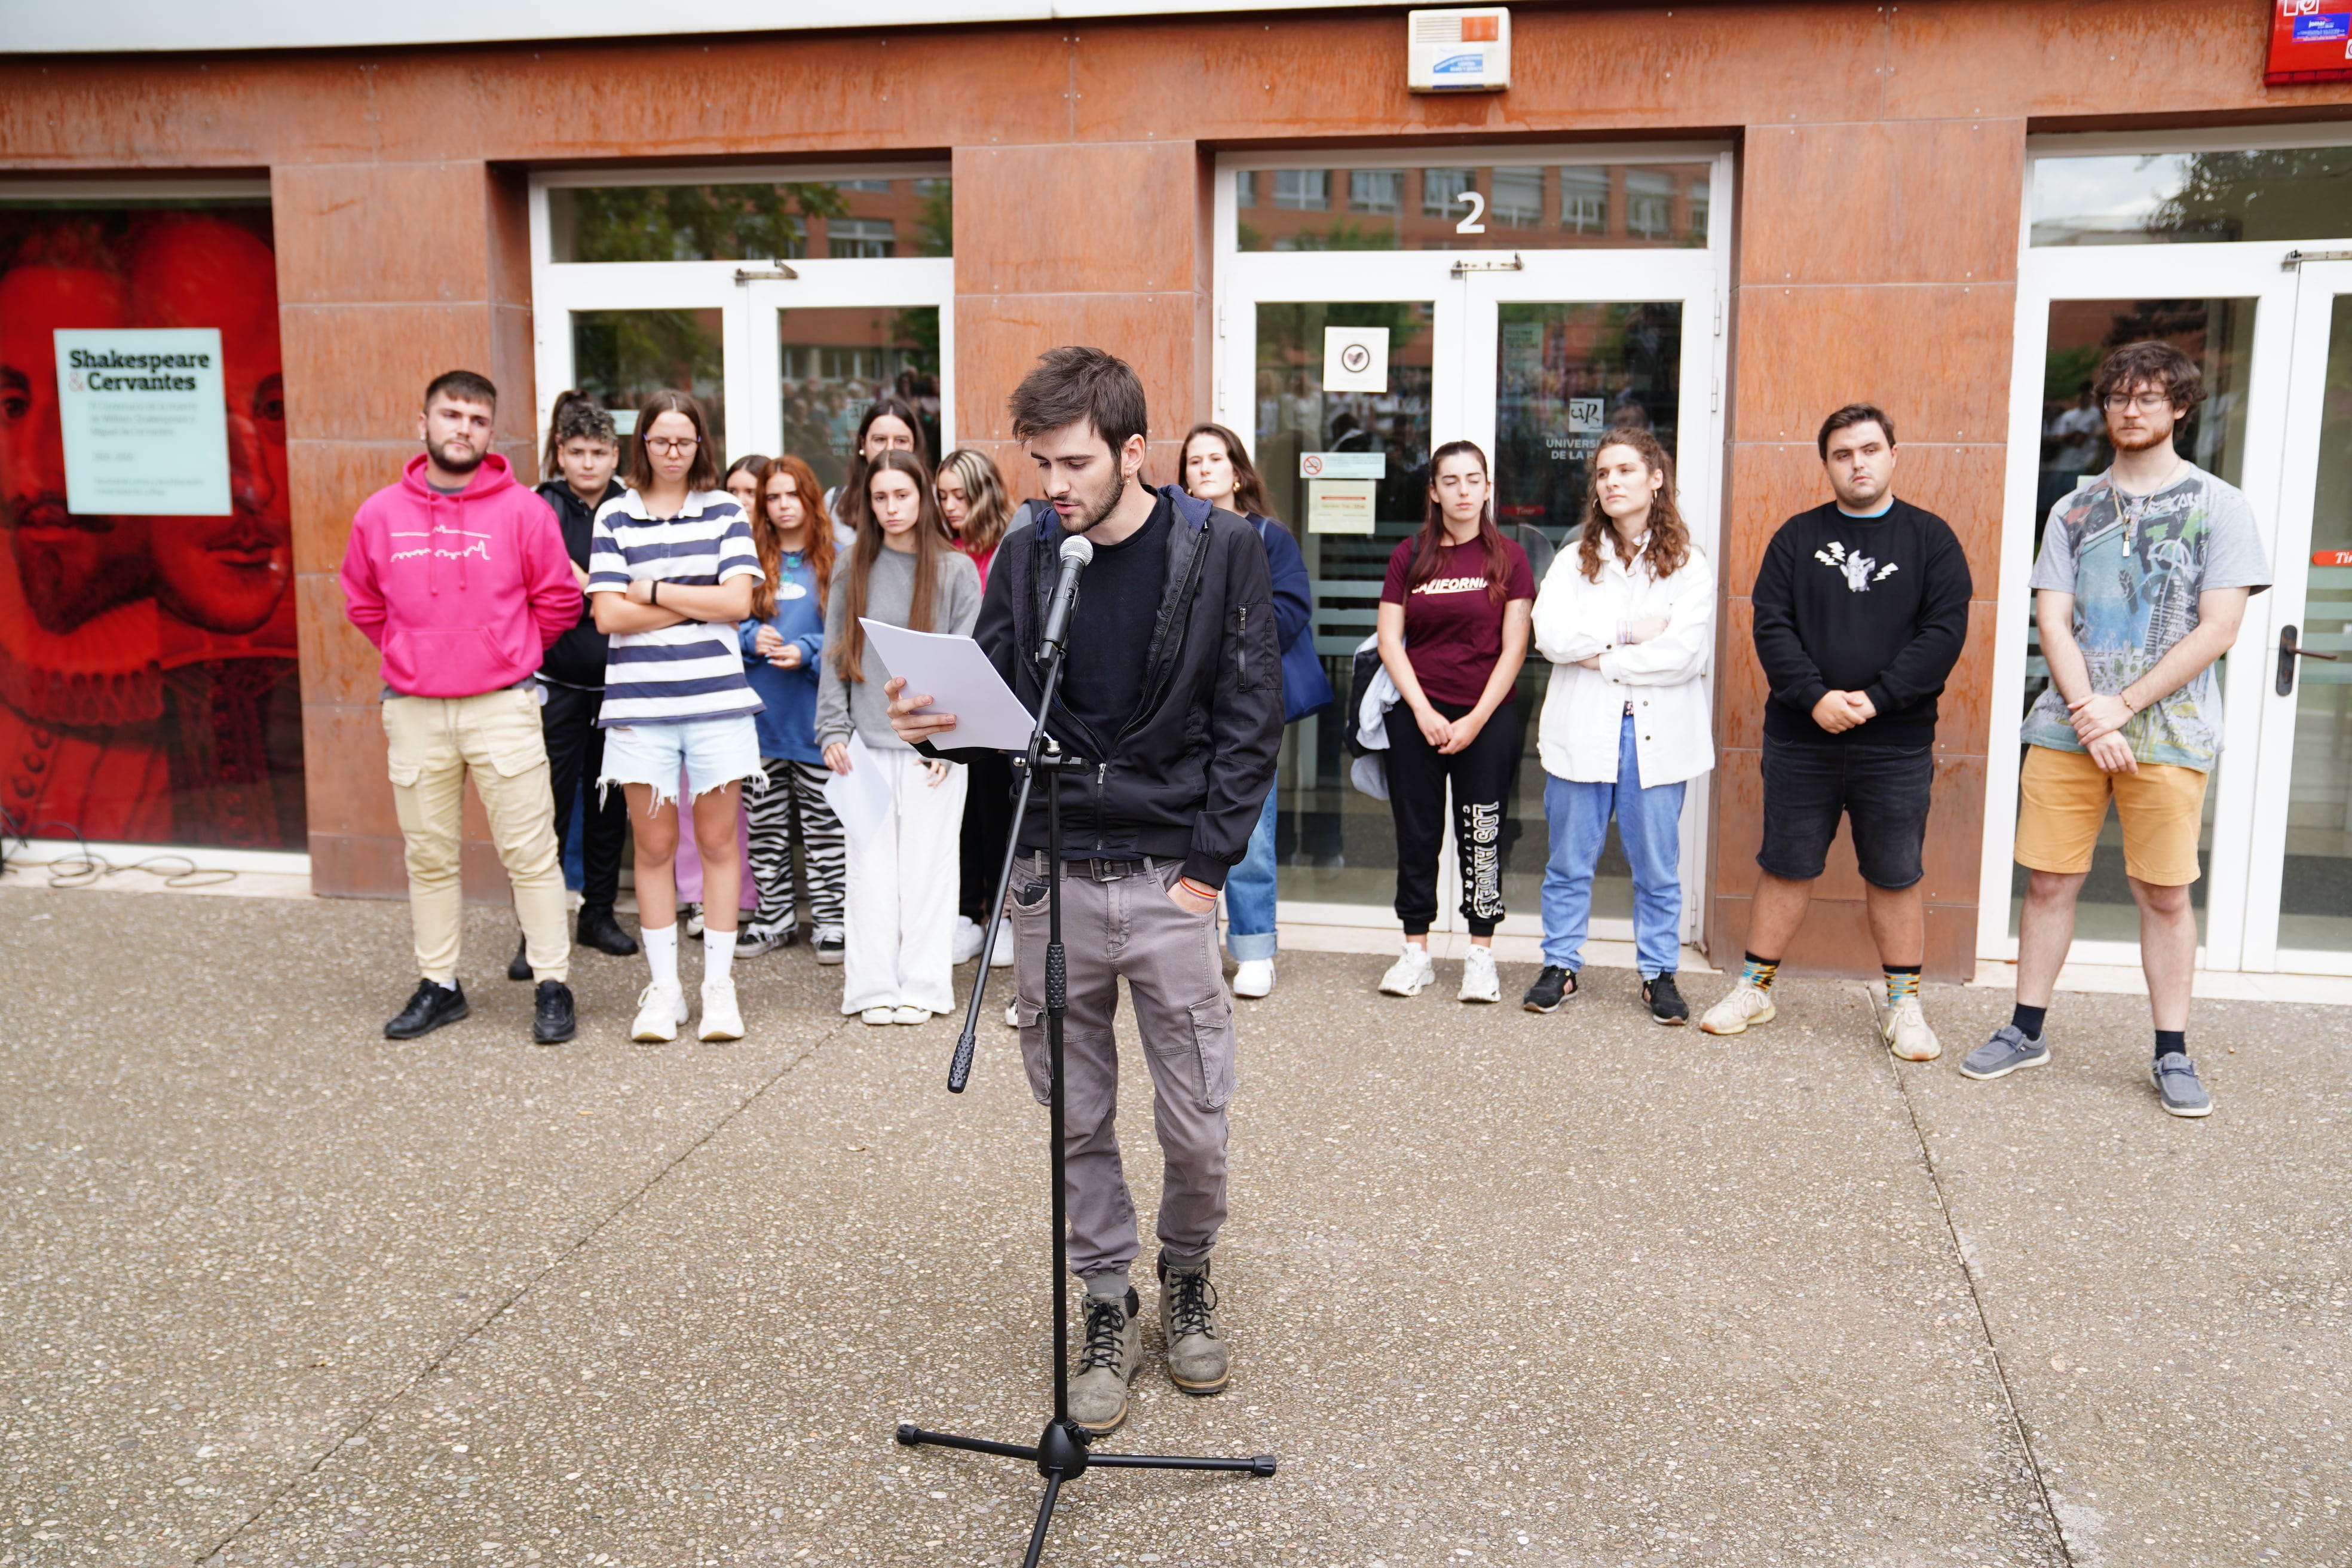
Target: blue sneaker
(2007, 1051)
(2177, 1086)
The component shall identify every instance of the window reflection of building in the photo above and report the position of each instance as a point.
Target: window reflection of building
(858, 239)
(1584, 200)
(1376, 191)
(1302, 190)
(1649, 204)
(1442, 191)
(1517, 199)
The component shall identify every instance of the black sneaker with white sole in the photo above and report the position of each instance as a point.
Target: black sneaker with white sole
(1665, 1003)
(1552, 987)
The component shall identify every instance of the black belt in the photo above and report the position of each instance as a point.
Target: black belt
(1094, 868)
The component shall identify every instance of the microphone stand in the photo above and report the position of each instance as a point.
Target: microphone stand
(1061, 1453)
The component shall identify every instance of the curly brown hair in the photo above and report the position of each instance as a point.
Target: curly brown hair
(2157, 361)
(1669, 541)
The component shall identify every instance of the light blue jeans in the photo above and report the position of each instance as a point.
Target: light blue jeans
(1250, 892)
(1649, 824)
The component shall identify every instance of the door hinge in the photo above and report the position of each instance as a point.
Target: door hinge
(774, 272)
(1715, 397)
(1718, 316)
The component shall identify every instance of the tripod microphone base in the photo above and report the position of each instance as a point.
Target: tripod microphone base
(1062, 1454)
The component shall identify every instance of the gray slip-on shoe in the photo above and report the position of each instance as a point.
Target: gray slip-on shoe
(2007, 1051)
(2178, 1087)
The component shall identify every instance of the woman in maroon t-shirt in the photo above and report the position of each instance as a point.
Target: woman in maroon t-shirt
(1453, 633)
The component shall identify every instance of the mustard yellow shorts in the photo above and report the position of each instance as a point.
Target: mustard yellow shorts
(2063, 803)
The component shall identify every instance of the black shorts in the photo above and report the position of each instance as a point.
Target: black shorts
(1884, 789)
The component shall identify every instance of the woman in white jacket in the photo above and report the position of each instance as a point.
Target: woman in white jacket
(1627, 618)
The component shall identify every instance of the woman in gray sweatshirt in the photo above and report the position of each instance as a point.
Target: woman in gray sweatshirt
(899, 966)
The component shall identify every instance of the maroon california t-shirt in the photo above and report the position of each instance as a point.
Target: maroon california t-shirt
(1452, 631)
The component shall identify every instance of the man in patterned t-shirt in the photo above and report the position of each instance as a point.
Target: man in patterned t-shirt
(2143, 579)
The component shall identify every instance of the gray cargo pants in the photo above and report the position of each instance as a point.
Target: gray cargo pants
(1128, 926)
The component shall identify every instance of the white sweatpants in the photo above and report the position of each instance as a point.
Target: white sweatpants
(900, 942)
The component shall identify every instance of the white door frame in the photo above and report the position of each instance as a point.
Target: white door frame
(1464, 286)
(742, 291)
(2320, 283)
(2238, 271)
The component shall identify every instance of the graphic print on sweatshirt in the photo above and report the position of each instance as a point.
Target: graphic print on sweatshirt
(2136, 570)
(478, 549)
(1859, 571)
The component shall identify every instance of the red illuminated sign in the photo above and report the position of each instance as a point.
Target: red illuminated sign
(2310, 40)
(2331, 558)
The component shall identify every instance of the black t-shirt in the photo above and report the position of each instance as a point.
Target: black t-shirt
(1110, 630)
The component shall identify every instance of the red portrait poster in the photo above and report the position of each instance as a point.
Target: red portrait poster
(148, 680)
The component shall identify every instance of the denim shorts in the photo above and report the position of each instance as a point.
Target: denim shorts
(1885, 790)
(709, 752)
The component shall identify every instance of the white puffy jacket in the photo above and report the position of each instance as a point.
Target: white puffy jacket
(1665, 678)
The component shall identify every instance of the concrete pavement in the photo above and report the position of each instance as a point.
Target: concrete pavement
(1568, 1291)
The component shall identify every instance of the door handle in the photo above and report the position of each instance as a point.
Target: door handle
(2289, 651)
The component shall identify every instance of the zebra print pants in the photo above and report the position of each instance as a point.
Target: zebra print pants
(793, 805)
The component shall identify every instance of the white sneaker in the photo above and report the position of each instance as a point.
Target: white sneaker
(722, 1019)
(1904, 1027)
(1479, 980)
(879, 1017)
(1000, 955)
(1744, 1004)
(660, 1010)
(913, 1014)
(965, 946)
(1013, 1014)
(1411, 972)
(1255, 977)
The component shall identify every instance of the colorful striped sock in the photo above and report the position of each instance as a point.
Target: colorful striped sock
(1759, 971)
(1902, 982)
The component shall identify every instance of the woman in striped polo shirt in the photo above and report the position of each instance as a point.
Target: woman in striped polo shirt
(672, 571)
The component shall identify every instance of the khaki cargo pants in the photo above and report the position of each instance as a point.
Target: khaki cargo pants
(1131, 927)
(434, 743)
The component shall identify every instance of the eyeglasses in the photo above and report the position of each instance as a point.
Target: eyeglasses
(671, 446)
(2146, 402)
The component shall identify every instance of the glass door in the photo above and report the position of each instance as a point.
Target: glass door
(2133, 237)
(2300, 904)
(785, 300)
(1527, 304)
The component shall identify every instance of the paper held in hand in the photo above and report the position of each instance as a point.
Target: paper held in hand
(959, 681)
(861, 797)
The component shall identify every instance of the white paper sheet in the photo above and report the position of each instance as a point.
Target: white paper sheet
(959, 681)
(860, 797)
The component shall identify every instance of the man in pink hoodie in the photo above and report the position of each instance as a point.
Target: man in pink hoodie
(459, 575)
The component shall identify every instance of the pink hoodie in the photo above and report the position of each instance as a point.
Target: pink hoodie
(462, 592)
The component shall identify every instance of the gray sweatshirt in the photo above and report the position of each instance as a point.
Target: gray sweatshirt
(843, 706)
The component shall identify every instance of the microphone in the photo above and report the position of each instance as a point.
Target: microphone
(1076, 551)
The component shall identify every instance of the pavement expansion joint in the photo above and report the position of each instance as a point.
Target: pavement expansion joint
(1976, 1294)
(374, 1416)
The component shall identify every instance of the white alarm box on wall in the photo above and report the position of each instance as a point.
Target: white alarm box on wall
(1458, 51)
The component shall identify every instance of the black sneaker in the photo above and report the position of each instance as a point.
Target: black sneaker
(519, 966)
(433, 1006)
(551, 1018)
(599, 929)
(830, 948)
(1666, 1004)
(755, 939)
(1552, 987)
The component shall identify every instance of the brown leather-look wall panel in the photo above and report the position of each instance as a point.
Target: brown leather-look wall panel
(1881, 161)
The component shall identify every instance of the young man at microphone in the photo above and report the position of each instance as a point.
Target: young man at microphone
(1172, 690)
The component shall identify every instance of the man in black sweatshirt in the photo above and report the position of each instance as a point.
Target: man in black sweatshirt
(1861, 607)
